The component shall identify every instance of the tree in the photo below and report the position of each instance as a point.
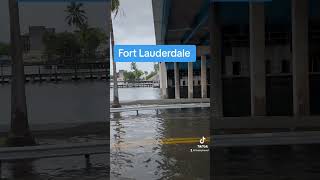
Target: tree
(20, 134)
(137, 73)
(129, 76)
(89, 39)
(154, 72)
(115, 4)
(76, 15)
(65, 44)
(156, 67)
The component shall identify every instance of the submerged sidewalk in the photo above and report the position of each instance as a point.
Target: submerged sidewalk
(165, 101)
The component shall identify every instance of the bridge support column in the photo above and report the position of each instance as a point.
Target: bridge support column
(300, 64)
(216, 59)
(257, 58)
(163, 80)
(176, 81)
(203, 77)
(0, 170)
(88, 164)
(190, 80)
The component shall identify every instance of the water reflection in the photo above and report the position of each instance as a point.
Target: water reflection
(21, 169)
(57, 168)
(136, 151)
(133, 94)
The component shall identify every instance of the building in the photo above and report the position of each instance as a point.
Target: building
(120, 75)
(33, 45)
(259, 58)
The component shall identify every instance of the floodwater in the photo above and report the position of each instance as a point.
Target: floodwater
(133, 94)
(137, 151)
(59, 103)
(136, 142)
(64, 168)
(284, 162)
(60, 111)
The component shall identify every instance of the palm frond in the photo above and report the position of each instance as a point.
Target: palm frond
(115, 5)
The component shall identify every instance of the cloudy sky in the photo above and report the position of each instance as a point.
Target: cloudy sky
(50, 14)
(134, 25)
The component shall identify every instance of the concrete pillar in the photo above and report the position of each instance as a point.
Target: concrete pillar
(300, 57)
(190, 80)
(203, 77)
(176, 81)
(257, 59)
(216, 59)
(163, 80)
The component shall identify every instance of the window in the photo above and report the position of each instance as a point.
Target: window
(236, 68)
(285, 66)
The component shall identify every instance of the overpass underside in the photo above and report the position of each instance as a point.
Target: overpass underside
(262, 59)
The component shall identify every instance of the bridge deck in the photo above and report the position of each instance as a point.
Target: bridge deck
(159, 107)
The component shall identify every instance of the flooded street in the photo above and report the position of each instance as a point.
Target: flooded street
(63, 168)
(58, 113)
(137, 151)
(76, 113)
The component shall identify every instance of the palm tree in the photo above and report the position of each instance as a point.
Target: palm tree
(76, 15)
(114, 8)
(20, 134)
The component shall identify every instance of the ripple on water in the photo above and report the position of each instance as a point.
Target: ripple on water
(137, 138)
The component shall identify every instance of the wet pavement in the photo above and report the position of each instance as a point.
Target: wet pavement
(282, 162)
(64, 168)
(138, 150)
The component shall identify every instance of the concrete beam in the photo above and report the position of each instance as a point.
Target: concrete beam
(198, 22)
(257, 58)
(176, 81)
(163, 80)
(190, 80)
(203, 77)
(216, 59)
(203, 50)
(300, 57)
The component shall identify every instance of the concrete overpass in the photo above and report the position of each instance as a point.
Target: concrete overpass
(263, 58)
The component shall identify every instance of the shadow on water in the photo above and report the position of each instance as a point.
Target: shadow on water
(22, 169)
(57, 168)
(267, 162)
